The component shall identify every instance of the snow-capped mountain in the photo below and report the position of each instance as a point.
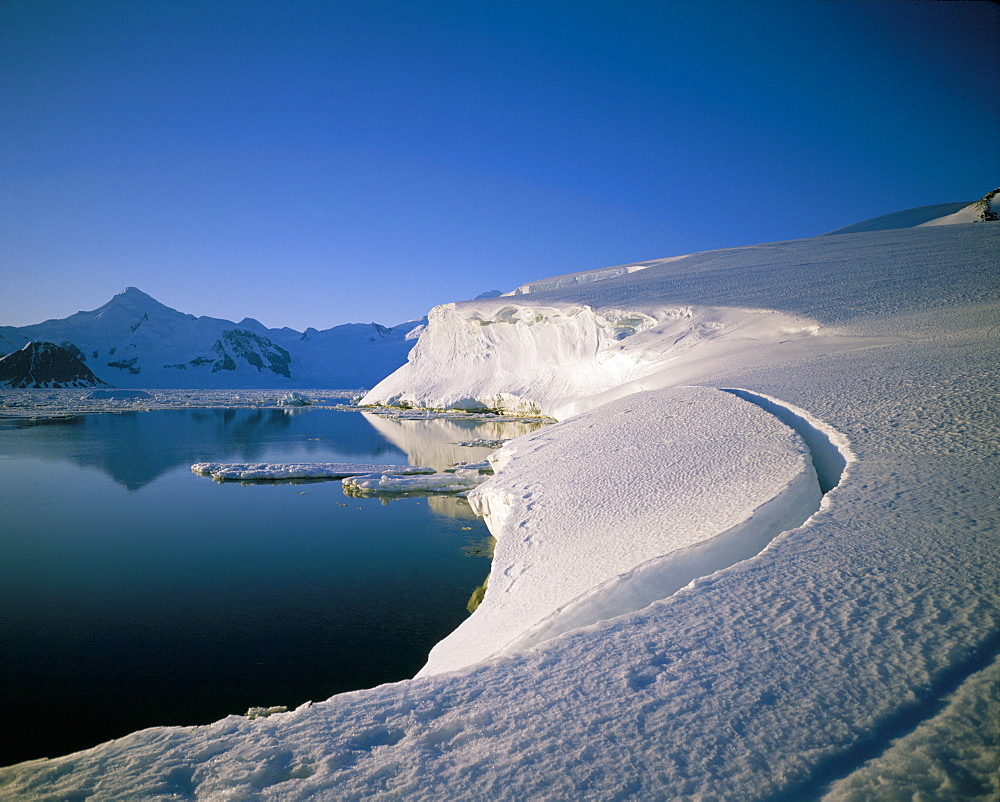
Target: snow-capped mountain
(136, 341)
(45, 365)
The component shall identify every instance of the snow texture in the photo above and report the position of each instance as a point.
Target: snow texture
(709, 462)
(815, 666)
(953, 755)
(284, 471)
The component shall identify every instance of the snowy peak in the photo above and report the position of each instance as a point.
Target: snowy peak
(134, 293)
(135, 301)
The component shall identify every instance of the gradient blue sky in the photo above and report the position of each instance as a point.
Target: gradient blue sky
(316, 163)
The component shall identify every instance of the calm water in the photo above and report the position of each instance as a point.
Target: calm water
(134, 593)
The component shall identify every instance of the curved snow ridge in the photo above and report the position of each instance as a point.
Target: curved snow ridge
(582, 539)
(830, 450)
(663, 576)
(585, 277)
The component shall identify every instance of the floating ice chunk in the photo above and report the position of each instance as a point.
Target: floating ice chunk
(278, 471)
(295, 400)
(380, 484)
(483, 466)
(116, 395)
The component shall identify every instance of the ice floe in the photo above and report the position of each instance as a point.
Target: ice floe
(284, 471)
(117, 395)
(459, 482)
(38, 403)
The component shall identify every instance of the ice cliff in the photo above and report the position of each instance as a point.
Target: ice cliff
(550, 359)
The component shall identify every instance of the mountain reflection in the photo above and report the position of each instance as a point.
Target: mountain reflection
(134, 448)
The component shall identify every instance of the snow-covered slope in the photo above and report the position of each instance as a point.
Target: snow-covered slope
(135, 341)
(985, 209)
(905, 219)
(840, 652)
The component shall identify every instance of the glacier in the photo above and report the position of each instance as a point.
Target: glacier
(815, 418)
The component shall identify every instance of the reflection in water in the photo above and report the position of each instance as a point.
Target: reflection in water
(452, 507)
(134, 448)
(434, 442)
(184, 600)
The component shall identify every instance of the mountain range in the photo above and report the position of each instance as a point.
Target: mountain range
(135, 341)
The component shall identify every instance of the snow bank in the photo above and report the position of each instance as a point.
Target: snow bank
(283, 471)
(574, 279)
(577, 522)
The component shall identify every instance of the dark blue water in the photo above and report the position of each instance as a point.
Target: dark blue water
(134, 593)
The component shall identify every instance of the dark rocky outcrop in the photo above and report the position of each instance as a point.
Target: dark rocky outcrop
(42, 364)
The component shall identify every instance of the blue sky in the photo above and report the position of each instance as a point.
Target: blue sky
(316, 163)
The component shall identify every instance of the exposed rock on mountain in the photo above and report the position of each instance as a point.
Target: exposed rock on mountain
(43, 364)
